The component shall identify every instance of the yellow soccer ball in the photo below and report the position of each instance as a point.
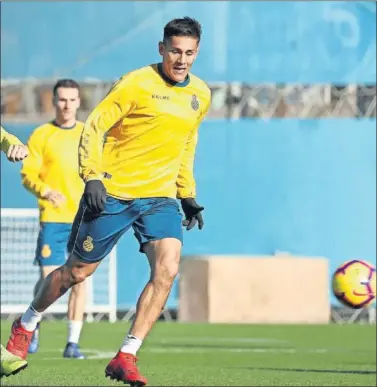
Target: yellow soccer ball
(354, 283)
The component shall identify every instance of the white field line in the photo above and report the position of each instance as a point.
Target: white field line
(153, 347)
(94, 354)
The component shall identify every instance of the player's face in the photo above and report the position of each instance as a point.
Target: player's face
(178, 55)
(67, 102)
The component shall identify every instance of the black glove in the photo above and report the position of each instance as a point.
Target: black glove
(192, 212)
(95, 196)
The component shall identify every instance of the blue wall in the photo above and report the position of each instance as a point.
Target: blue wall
(303, 186)
(312, 42)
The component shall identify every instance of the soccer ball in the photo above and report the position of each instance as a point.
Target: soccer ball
(354, 284)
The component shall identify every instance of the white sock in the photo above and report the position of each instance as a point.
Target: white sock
(131, 344)
(74, 330)
(30, 319)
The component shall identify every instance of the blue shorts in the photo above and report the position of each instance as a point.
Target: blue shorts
(52, 244)
(94, 235)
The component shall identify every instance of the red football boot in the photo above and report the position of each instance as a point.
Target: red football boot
(19, 341)
(123, 368)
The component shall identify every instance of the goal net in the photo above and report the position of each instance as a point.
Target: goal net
(19, 232)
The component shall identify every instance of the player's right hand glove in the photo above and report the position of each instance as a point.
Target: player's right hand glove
(193, 214)
(95, 196)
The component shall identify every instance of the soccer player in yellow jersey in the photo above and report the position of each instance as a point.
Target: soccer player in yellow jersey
(14, 149)
(51, 174)
(136, 157)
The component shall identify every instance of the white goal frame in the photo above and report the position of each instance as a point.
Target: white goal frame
(91, 308)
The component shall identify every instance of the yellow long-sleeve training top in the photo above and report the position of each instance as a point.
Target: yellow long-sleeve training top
(7, 140)
(53, 164)
(141, 139)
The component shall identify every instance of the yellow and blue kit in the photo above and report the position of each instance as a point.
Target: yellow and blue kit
(53, 164)
(151, 127)
(7, 140)
(140, 141)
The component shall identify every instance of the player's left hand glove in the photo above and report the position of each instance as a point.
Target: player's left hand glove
(192, 212)
(95, 196)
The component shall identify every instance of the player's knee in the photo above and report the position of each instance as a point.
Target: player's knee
(167, 268)
(164, 256)
(77, 275)
(73, 275)
(78, 270)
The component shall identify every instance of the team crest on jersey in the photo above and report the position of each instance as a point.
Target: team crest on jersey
(88, 244)
(45, 251)
(194, 102)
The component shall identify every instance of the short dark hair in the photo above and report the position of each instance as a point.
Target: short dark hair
(186, 26)
(68, 83)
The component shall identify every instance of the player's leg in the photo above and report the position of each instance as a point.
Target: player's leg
(160, 236)
(44, 272)
(159, 231)
(13, 358)
(50, 254)
(86, 254)
(76, 309)
(56, 284)
(163, 256)
(76, 300)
